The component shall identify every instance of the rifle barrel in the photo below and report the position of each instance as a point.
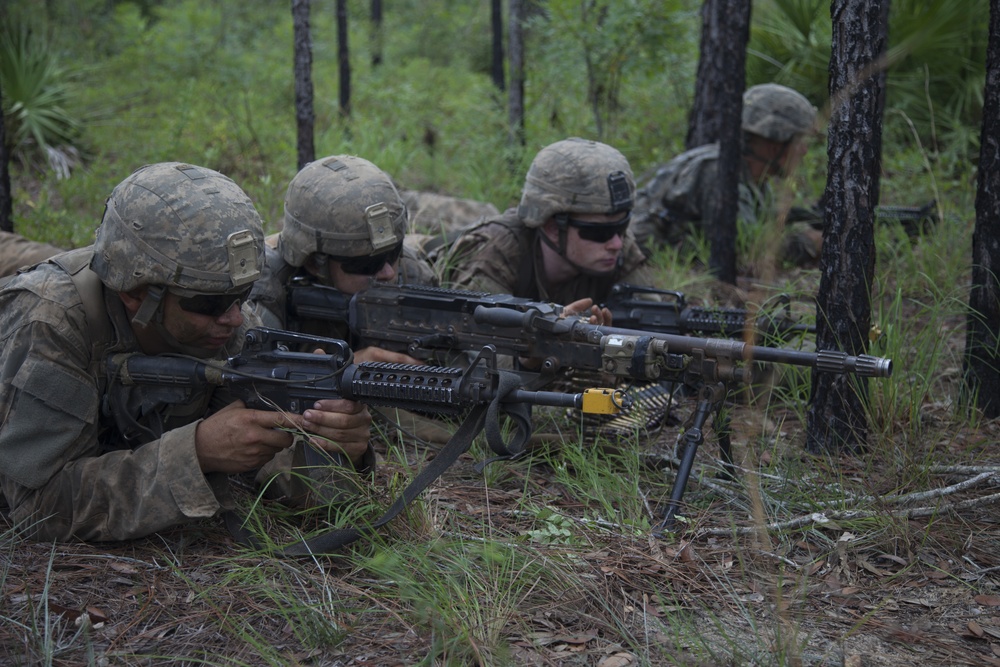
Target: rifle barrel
(829, 361)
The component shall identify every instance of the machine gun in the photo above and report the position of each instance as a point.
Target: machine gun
(269, 375)
(673, 315)
(420, 320)
(914, 220)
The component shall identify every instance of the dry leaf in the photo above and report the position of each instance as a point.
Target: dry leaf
(895, 559)
(975, 629)
(576, 640)
(618, 660)
(65, 612)
(871, 568)
(124, 568)
(988, 600)
(97, 615)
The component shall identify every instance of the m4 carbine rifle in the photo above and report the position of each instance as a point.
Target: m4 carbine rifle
(269, 374)
(671, 314)
(421, 320)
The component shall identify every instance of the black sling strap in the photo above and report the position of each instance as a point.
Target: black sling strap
(485, 415)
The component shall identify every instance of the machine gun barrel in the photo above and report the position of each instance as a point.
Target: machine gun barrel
(650, 346)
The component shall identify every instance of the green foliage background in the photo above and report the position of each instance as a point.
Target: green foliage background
(210, 82)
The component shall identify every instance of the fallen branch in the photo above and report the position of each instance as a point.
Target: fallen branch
(820, 518)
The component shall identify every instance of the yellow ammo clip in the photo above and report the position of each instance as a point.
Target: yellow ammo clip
(602, 401)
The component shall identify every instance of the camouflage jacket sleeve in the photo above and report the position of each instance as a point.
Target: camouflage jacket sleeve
(60, 481)
(484, 259)
(17, 252)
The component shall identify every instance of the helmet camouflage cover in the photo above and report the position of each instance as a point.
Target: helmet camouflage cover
(777, 112)
(341, 206)
(576, 176)
(181, 226)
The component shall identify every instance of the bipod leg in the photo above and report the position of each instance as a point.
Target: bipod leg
(723, 434)
(694, 435)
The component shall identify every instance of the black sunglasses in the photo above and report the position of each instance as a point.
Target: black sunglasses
(369, 265)
(600, 232)
(213, 305)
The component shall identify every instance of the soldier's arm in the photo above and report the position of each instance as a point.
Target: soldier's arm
(59, 481)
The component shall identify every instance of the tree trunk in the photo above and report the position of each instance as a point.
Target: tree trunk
(6, 197)
(377, 35)
(704, 121)
(496, 21)
(731, 22)
(982, 344)
(836, 415)
(515, 95)
(305, 115)
(343, 58)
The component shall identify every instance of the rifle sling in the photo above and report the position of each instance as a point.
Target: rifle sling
(458, 444)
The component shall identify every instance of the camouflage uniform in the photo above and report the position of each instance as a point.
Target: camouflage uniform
(339, 206)
(18, 252)
(328, 211)
(435, 214)
(82, 457)
(74, 448)
(503, 256)
(672, 205)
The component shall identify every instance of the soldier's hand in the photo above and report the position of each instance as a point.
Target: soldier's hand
(339, 425)
(586, 308)
(236, 439)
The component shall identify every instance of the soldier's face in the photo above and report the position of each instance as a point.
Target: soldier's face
(207, 332)
(598, 256)
(792, 156)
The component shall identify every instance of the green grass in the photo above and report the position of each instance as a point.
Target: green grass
(547, 554)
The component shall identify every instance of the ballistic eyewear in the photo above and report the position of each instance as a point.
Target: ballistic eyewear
(600, 232)
(369, 265)
(213, 305)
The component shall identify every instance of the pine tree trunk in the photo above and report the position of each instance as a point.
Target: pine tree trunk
(343, 58)
(982, 342)
(836, 416)
(496, 23)
(703, 122)
(515, 94)
(377, 36)
(305, 116)
(732, 22)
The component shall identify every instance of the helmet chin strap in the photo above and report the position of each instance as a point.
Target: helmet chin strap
(151, 312)
(563, 225)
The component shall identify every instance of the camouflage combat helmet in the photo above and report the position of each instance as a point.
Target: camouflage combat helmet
(576, 176)
(341, 206)
(777, 112)
(184, 227)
